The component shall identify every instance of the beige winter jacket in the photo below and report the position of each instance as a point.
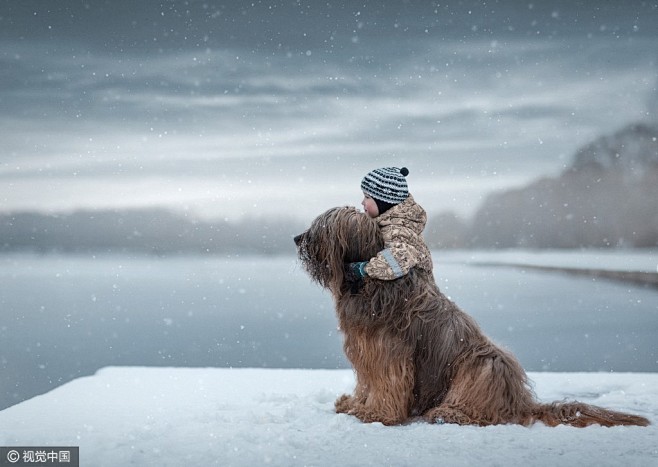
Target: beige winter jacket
(402, 228)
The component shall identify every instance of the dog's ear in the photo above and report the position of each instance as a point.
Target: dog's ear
(355, 242)
(363, 237)
(343, 244)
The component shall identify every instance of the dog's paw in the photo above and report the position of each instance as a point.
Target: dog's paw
(370, 416)
(440, 416)
(435, 416)
(344, 404)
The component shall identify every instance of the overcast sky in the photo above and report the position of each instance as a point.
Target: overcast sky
(247, 108)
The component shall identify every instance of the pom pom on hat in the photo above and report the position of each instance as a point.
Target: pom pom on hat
(386, 184)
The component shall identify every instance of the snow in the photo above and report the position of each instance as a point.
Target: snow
(185, 416)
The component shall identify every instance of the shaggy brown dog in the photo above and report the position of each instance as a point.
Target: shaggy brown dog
(414, 352)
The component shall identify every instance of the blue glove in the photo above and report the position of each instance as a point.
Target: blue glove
(359, 269)
(354, 274)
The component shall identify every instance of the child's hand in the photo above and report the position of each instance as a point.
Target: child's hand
(354, 274)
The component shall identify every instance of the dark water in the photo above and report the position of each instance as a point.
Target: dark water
(64, 317)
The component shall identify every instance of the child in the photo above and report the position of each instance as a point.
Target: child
(401, 220)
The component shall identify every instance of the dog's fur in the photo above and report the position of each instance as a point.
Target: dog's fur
(414, 352)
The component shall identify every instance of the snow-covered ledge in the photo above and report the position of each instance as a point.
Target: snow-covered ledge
(185, 416)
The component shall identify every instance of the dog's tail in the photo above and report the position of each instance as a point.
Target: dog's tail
(581, 415)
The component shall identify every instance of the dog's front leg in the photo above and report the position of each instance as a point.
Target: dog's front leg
(389, 398)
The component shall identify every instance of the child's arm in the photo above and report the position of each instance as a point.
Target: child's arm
(389, 264)
(393, 262)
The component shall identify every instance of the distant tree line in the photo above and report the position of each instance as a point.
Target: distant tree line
(592, 209)
(154, 231)
(607, 198)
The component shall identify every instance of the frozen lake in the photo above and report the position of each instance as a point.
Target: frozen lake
(67, 316)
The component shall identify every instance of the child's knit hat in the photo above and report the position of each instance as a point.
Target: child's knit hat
(387, 185)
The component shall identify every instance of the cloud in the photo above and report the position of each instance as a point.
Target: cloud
(87, 128)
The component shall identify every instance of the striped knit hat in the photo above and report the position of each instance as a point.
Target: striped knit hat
(387, 184)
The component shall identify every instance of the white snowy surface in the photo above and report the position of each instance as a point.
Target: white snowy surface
(637, 260)
(247, 417)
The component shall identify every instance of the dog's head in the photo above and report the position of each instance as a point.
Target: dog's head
(339, 236)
